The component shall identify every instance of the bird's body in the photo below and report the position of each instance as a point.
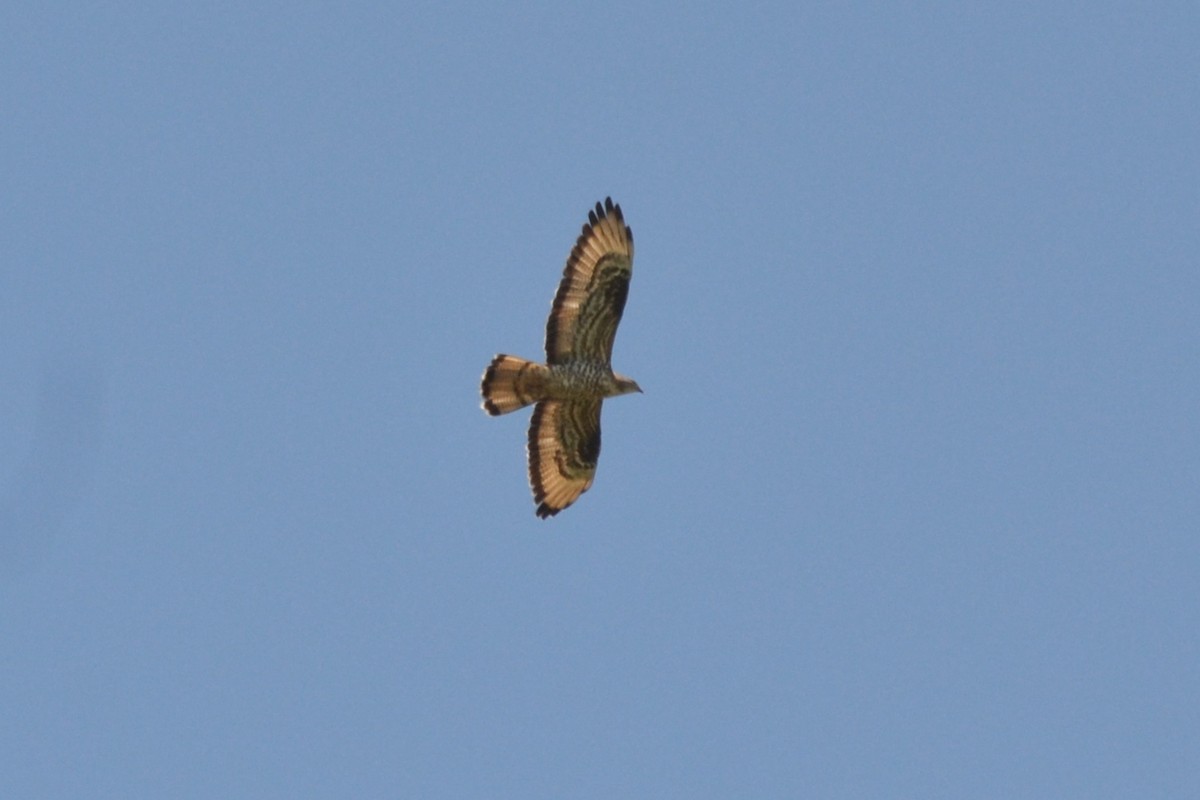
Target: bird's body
(581, 380)
(564, 434)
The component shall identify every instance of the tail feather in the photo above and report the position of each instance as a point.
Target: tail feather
(511, 383)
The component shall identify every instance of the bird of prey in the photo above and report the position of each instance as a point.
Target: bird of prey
(564, 435)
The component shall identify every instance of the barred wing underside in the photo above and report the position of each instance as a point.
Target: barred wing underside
(564, 443)
(591, 297)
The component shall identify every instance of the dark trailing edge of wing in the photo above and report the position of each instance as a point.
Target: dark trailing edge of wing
(535, 464)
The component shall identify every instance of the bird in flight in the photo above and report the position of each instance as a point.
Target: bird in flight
(564, 435)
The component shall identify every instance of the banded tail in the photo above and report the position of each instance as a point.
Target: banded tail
(511, 383)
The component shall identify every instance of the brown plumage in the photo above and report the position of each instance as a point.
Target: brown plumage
(511, 383)
(564, 434)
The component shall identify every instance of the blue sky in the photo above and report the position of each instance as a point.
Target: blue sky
(908, 509)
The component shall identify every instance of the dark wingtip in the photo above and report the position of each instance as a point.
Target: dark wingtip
(545, 512)
(615, 210)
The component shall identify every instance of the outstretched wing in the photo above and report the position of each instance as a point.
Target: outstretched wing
(564, 443)
(591, 297)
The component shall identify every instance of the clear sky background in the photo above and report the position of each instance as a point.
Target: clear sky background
(911, 504)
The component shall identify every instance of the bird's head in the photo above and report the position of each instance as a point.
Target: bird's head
(626, 385)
